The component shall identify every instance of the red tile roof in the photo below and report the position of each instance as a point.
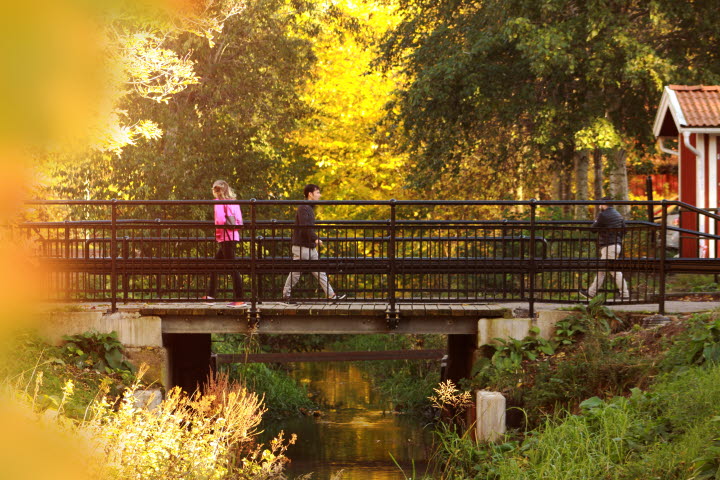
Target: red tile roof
(700, 104)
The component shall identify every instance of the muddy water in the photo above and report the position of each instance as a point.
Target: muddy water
(356, 431)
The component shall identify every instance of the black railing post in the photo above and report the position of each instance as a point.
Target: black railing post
(392, 318)
(67, 255)
(113, 256)
(663, 257)
(253, 261)
(531, 306)
(649, 190)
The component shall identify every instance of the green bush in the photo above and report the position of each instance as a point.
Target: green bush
(282, 395)
(699, 345)
(101, 351)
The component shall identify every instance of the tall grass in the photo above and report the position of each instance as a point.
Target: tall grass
(576, 447)
(208, 436)
(671, 431)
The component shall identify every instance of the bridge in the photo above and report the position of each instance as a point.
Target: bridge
(405, 266)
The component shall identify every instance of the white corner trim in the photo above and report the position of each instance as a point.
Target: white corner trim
(668, 101)
(675, 107)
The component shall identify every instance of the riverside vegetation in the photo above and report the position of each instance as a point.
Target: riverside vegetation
(602, 399)
(84, 390)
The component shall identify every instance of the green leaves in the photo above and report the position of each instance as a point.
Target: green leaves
(600, 133)
(101, 351)
(509, 354)
(704, 345)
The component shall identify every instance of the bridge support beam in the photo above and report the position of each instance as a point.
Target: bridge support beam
(189, 359)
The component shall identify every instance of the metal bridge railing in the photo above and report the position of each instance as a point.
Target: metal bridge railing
(459, 252)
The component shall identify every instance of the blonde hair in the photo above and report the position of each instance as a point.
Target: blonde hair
(226, 193)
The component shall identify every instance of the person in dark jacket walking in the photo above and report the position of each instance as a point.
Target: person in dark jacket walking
(611, 224)
(305, 243)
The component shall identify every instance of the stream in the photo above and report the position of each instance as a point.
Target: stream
(356, 430)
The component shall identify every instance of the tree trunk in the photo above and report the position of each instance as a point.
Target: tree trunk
(598, 180)
(582, 167)
(557, 187)
(566, 186)
(618, 183)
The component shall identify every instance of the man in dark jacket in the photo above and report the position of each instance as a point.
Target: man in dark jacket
(305, 243)
(611, 225)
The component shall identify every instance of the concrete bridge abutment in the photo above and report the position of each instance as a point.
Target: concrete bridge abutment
(490, 411)
(141, 336)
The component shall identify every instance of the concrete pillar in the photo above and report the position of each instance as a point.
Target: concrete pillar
(546, 320)
(491, 328)
(189, 359)
(490, 421)
(461, 354)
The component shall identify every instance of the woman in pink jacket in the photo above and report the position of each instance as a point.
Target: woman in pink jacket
(227, 238)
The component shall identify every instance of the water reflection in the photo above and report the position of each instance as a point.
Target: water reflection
(357, 432)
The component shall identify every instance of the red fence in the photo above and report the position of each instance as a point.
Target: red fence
(665, 186)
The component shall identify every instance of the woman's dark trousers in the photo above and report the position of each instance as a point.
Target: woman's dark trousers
(226, 251)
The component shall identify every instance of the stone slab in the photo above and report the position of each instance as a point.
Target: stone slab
(490, 329)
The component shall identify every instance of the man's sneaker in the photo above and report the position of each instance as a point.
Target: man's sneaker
(237, 304)
(207, 297)
(584, 293)
(337, 297)
(288, 300)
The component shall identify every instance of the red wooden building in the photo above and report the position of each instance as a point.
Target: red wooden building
(691, 114)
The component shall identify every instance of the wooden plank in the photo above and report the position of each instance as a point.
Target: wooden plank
(331, 356)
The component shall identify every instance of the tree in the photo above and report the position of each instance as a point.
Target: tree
(233, 124)
(344, 136)
(539, 72)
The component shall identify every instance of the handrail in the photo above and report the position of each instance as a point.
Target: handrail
(393, 259)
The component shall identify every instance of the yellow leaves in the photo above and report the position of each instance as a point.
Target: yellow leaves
(67, 65)
(51, 59)
(600, 134)
(448, 395)
(25, 437)
(350, 98)
(153, 71)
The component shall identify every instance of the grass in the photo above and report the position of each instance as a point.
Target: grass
(575, 447)
(282, 395)
(692, 283)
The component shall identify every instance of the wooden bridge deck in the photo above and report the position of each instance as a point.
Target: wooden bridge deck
(315, 318)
